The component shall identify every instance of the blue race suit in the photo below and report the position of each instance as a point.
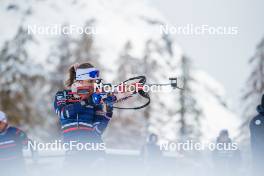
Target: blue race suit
(12, 141)
(82, 121)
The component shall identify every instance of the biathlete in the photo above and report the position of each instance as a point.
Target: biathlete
(12, 142)
(82, 121)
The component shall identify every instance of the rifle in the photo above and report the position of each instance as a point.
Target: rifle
(121, 92)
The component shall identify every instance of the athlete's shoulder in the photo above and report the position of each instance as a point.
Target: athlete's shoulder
(12, 129)
(15, 130)
(62, 94)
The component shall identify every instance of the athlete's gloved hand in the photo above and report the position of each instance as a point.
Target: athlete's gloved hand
(108, 103)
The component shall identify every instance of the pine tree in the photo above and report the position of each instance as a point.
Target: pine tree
(189, 111)
(69, 51)
(62, 58)
(128, 64)
(19, 76)
(254, 88)
(132, 134)
(149, 67)
(138, 127)
(85, 50)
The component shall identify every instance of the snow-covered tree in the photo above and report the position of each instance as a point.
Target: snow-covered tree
(188, 110)
(85, 50)
(131, 135)
(254, 88)
(70, 50)
(19, 76)
(62, 57)
(128, 66)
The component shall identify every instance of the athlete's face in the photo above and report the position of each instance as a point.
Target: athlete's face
(87, 82)
(3, 126)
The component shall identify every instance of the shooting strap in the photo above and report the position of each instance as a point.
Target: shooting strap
(142, 80)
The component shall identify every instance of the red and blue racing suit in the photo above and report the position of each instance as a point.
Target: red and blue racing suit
(81, 121)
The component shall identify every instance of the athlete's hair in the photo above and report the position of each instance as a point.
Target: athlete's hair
(72, 72)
